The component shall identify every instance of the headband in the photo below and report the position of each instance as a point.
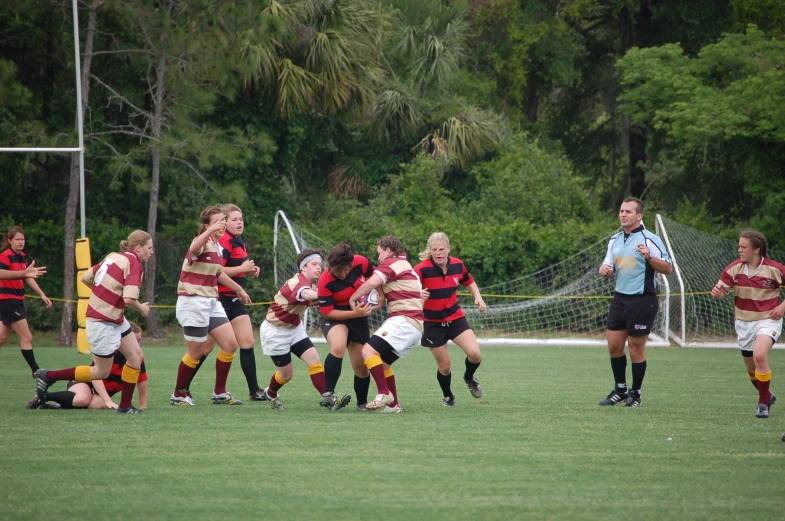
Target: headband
(309, 258)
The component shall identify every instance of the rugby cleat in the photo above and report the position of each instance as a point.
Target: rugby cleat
(362, 407)
(129, 410)
(258, 396)
(763, 411)
(275, 403)
(41, 383)
(182, 401)
(225, 399)
(342, 402)
(613, 398)
(50, 406)
(772, 400)
(448, 401)
(395, 409)
(328, 399)
(380, 401)
(633, 399)
(474, 387)
(34, 403)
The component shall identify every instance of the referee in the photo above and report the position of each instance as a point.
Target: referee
(634, 255)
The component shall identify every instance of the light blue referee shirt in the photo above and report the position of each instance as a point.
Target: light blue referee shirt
(634, 276)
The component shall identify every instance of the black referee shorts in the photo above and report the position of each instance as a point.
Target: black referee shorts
(634, 313)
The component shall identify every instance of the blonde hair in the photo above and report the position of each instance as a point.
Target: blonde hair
(137, 238)
(435, 237)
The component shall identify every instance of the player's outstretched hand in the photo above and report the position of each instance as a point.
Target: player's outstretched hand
(33, 273)
(719, 291)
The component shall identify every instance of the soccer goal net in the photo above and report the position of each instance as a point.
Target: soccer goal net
(696, 319)
(564, 304)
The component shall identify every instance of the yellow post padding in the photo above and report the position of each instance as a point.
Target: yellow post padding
(763, 377)
(315, 368)
(223, 356)
(82, 254)
(82, 345)
(388, 373)
(190, 362)
(82, 374)
(373, 361)
(130, 374)
(279, 378)
(81, 312)
(82, 290)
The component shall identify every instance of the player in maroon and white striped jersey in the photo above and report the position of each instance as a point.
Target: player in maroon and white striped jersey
(115, 283)
(14, 263)
(402, 330)
(441, 275)
(199, 312)
(237, 265)
(283, 330)
(755, 280)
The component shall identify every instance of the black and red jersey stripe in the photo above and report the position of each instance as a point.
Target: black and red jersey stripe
(442, 304)
(334, 293)
(234, 254)
(12, 289)
(114, 382)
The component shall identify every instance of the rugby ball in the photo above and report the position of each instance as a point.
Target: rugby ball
(371, 298)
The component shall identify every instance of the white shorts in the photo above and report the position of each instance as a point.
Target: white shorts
(277, 340)
(400, 334)
(105, 337)
(197, 311)
(747, 331)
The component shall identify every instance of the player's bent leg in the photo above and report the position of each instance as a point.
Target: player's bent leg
(362, 377)
(22, 330)
(616, 342)
(373, 361)
(221, 331)
(337, 337)
(468, 342)
(443, 373)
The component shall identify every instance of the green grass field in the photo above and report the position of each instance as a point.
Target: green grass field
(536, 446)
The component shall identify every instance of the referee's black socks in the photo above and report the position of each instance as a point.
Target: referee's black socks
(619, 368)
(638, 372)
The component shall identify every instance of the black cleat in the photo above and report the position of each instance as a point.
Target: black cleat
(41, 383)
(258, 396)
(130, 410)
(613, 398)
(763, 411)
(633, 399)
(341, 402)
(448, 401)
(34, 403)
(48, 405)
(772, 400)
(474, 387)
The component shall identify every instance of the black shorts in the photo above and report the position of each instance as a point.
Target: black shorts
(233, 306)
(634, 313)
(385, 350)
(436, 334)
(90, 385)
(12, 310)
(359, 331)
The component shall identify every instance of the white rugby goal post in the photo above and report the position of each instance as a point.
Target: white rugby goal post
(563, 305)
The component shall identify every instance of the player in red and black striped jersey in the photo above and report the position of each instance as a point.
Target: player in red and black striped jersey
(98, 393)
(342, 326)
(440, 276)
(237, 265)
(14, 267)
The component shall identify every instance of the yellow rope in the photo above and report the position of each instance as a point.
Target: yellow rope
(463, 294)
